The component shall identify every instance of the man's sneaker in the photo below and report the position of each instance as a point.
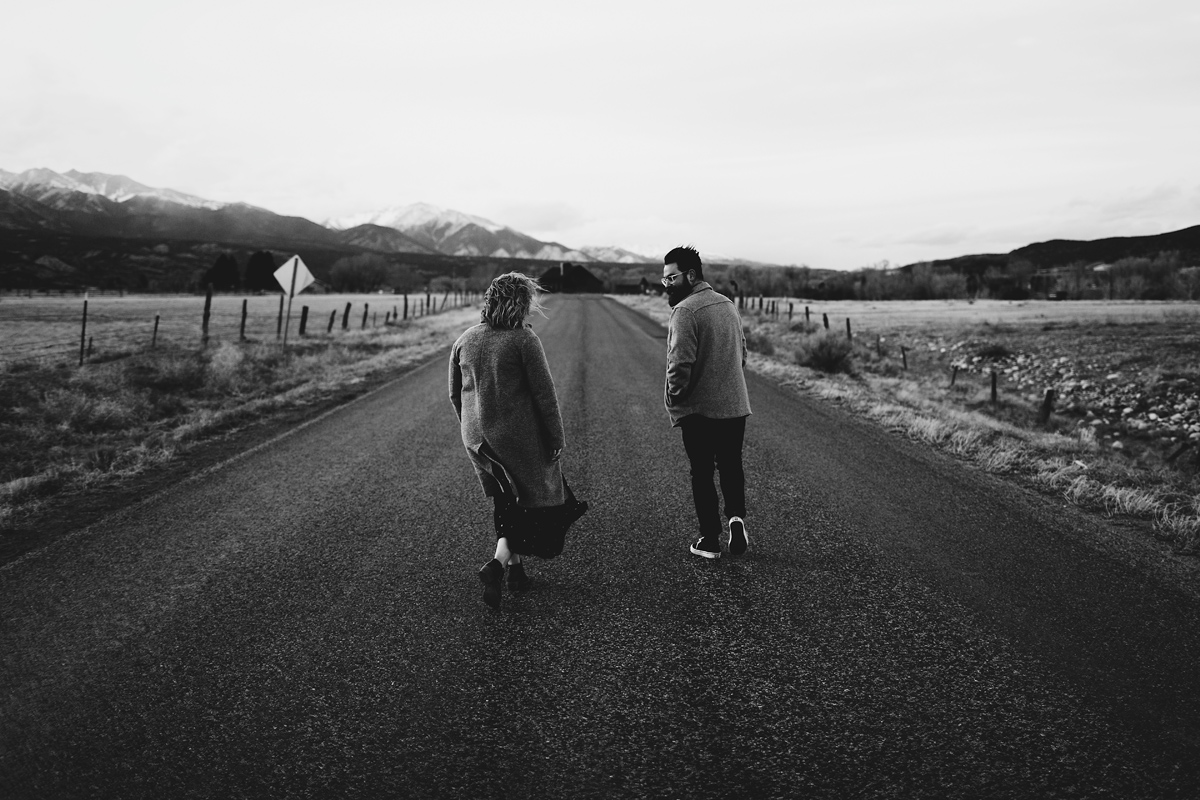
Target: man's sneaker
(706, 548)
(739, 540)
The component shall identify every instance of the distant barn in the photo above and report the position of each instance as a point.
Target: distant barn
(570, 278)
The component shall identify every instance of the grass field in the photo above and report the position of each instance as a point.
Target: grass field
(929, 316)
(49, 326)
(1122, 436)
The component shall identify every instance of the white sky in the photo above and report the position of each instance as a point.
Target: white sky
(830, 134)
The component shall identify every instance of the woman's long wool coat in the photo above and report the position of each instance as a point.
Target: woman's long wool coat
(504, 397)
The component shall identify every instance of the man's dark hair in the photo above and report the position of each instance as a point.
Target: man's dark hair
(686, 258)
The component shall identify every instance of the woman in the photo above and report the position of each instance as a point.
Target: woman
(507, 408)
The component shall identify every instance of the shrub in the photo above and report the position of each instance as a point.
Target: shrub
(225, 367)
(804, 327)
(101, 458)
(825, 352)
(167, 370)
(76, 410)
(993, 351)
(758, 342)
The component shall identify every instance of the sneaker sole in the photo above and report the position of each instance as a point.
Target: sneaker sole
(703, 553)
(737, 548)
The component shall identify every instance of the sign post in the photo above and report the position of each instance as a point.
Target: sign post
(294, 277)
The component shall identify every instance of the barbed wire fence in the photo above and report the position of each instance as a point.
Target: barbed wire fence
(77, 328)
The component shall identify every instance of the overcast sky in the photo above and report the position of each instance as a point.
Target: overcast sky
(829, 134)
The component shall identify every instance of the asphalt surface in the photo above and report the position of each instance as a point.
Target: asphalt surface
(305, 621)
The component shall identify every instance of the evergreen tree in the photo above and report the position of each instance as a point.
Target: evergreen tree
(260, 273)
(362, 273)
(223, 274)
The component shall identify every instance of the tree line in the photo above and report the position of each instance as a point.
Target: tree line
(1165, 276)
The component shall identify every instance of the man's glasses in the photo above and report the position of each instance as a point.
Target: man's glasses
(669, 280)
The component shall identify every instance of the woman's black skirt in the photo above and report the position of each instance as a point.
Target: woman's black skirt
(537, 532)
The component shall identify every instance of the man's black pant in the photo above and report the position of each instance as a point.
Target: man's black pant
(709, 443)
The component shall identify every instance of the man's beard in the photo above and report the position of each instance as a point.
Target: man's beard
(678, 291)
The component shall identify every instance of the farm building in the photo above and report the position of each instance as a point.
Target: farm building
(571, 279)
(640, 287)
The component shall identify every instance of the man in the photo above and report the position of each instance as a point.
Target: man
(706, 396)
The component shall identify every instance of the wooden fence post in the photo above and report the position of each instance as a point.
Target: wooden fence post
(242, 330)
(995, 394)
(154, 337)
(405, 317)
(279, 324)
(1047, 407)
(904, 356)
(346, 318)
(83, 330)
(848, 336)
(332, 319)
(366, 308)
(806, 316)
(790, 309)
(303, 319)
(825, 317)
(207, 314)
(954, 374)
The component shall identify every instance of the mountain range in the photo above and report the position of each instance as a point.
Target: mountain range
(97, 204)
(81, 206)
(457, 234)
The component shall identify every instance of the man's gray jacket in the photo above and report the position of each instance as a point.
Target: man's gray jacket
(706, 358)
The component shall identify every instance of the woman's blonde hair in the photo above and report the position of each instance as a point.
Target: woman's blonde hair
(510, 299)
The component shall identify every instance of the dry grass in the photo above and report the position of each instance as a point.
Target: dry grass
(64, 428)
(1126, 472)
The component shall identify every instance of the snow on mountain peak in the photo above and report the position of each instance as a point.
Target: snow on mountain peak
(417, 215)
(115, 187)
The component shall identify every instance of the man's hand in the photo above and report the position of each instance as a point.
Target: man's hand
(556, 455)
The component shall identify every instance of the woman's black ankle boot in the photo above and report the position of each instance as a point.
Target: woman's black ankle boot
(518, 581)
(490, 575)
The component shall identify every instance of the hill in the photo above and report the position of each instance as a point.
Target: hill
(1063, 252)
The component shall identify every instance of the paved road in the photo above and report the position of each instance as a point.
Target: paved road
(305, 622)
